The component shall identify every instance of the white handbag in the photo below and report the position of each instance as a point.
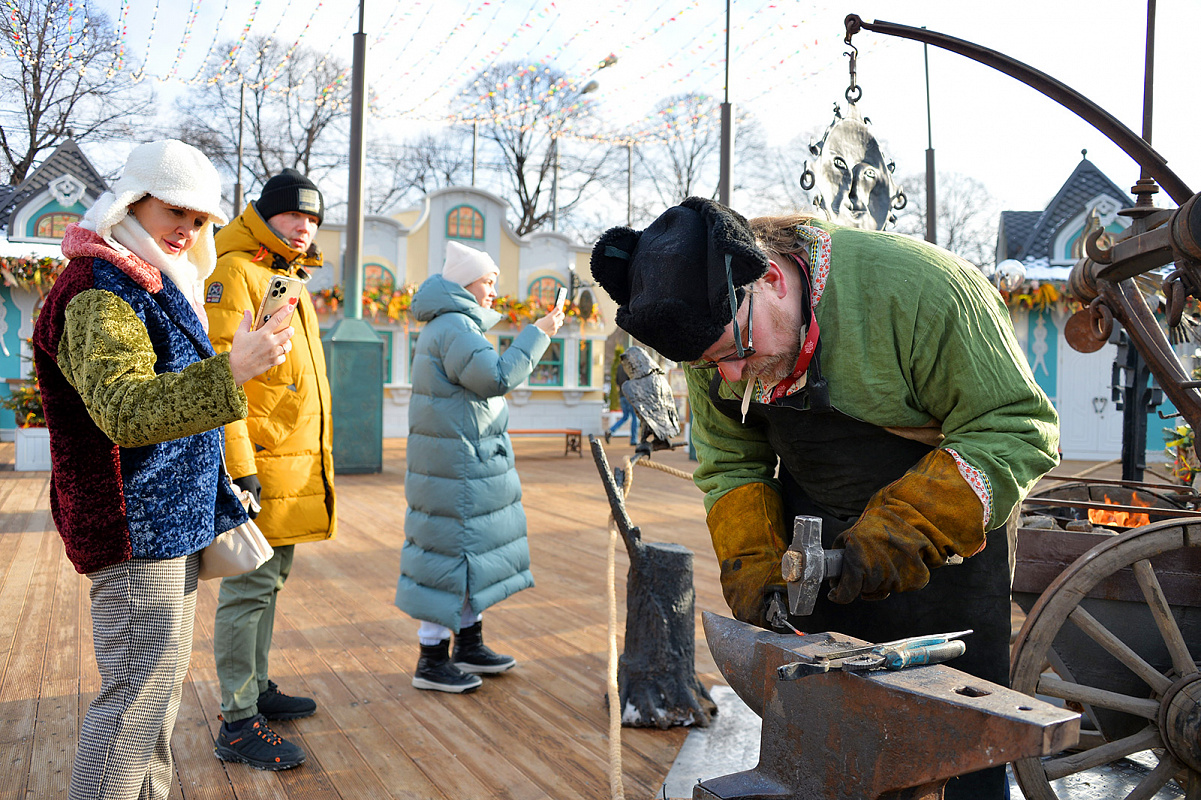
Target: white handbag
(238, 550)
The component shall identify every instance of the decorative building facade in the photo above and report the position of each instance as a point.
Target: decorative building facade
(1049, 243)
(33, 216)
(400, 251)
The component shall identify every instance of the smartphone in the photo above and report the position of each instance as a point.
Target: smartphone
(560, 298)
(279, 301)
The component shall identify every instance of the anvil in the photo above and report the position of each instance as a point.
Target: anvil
(867, 735)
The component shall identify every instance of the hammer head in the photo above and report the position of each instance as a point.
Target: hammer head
(804, 565)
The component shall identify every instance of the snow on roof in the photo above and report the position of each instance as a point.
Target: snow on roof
(29, 249)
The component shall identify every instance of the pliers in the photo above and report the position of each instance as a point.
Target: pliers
(902, 653)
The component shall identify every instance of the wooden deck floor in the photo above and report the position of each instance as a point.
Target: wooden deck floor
(539, 731)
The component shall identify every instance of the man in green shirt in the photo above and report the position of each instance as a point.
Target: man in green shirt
(862, 377)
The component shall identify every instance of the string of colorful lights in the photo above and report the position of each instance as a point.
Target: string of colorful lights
(198, 76)
(437, 45)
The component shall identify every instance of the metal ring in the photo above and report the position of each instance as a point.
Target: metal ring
(900, 201)
(808, 180)
(1101, 318)
(1174, 296)
(857, 91)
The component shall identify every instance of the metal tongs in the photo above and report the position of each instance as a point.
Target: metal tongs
(899, 654)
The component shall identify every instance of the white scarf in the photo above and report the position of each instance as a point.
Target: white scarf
(128, 234)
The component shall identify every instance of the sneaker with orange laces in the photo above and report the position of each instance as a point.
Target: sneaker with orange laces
(251, 741)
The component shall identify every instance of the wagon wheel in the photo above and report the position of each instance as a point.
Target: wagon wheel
(1138, 685)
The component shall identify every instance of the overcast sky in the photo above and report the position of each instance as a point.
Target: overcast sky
(787, 67)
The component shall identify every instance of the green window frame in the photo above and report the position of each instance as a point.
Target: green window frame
(549, 369)
(386, 335)
(543, 289)
(465, 222)
(377, 276)
(584, 369)
(54, 225)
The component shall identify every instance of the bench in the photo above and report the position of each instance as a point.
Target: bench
(573, 435)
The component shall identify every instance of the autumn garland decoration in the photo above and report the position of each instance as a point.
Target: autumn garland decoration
(395, 306)
(30, 273)
(25, 401)
(1042, 296)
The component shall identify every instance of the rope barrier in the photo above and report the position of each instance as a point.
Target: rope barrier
(615, 789)
(679, 473)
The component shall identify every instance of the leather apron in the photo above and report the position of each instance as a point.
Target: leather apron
(831, 465)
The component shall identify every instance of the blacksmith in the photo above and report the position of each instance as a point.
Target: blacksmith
(881, 375)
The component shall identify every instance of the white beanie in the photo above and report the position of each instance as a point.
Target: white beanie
(466, 265)
(179, 175)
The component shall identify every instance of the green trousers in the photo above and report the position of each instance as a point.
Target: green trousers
(242, 633)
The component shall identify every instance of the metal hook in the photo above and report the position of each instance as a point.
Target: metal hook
(853, 92)
(853, 25)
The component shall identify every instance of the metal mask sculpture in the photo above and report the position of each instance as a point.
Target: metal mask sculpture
(853, 180)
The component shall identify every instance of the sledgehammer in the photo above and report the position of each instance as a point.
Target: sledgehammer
(806, 565)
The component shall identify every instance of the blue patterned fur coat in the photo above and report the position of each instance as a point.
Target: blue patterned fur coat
(135, 399)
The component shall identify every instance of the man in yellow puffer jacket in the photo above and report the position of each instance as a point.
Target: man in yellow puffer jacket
(281, 454)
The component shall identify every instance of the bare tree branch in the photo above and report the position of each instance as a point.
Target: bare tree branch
(404, 173)
(521, 113)
(296, 115)
(59, 68)
(966, 216)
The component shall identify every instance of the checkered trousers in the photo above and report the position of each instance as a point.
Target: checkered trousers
(142, 615)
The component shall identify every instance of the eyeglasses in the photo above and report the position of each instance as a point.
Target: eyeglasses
(741, 351)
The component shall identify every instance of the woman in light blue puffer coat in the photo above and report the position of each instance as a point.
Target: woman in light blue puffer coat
(465, 531)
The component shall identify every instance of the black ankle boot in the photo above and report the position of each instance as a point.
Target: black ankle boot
(434, 671)
(472, 655)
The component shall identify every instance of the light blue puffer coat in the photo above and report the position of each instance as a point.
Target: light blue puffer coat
(465, 529)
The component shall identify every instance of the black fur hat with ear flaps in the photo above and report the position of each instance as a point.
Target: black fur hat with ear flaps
(669, 281)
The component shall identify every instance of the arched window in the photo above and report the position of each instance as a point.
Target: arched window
(464, 222)
(377, 276)
(543, 290)
(53, 226)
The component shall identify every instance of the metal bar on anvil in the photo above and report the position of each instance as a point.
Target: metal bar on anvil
(1157, 511)
(1173, 487)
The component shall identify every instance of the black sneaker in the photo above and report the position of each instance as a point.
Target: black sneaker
(608, 436)
(435, 672)
(472, 655)
(251, 742)
(274, 704)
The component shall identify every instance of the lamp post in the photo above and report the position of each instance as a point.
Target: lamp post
(630, 183)
(554, 181)
(931, 205)
(241, 119)
(727, 128)
(354, 354)
(475, 138)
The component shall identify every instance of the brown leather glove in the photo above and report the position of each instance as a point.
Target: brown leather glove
(909, 527)
(747, 527)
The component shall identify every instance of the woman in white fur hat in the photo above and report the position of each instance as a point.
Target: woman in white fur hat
(135, 400)
(465, 531)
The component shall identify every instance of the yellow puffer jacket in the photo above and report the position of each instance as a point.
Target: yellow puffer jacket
(287, 438)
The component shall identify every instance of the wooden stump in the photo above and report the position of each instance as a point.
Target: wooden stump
(656, 674)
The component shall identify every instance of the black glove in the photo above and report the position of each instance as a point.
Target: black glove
(250, 483)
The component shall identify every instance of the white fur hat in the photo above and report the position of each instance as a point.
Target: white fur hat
(466, 265)
(176, 173)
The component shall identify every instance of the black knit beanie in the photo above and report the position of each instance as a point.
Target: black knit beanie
(290, 191)
(669, 281)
